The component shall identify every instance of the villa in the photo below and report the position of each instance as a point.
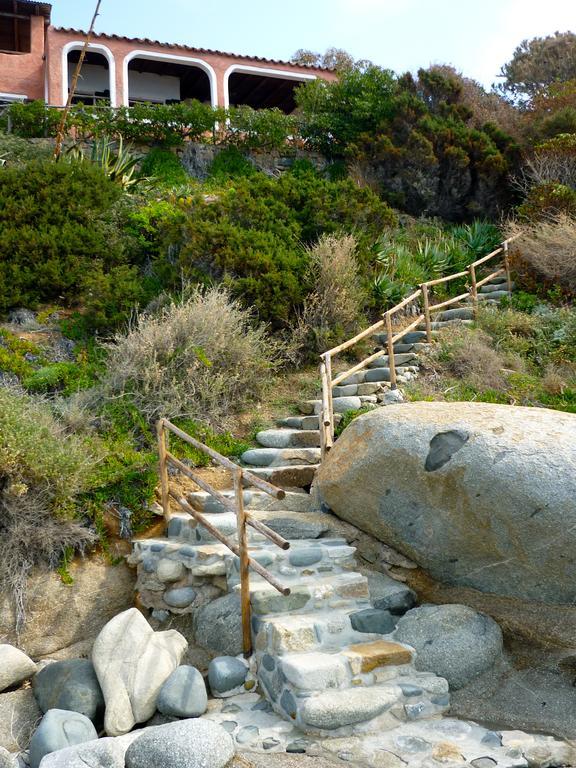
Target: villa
(37, 61)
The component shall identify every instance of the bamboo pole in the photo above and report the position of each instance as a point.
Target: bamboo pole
(473, 289)
(489, 277)
(507, 267)
(403, 303)
(447, 303)
(73, 84)
(328, 360)
(350, 343)
(244, 563)
(162, 451)
(426, 305)
(489, 256)
(446, 279)
(390, 344)
(280, 541)
(400, 335)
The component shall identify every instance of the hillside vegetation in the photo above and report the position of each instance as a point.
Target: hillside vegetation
(130, 290)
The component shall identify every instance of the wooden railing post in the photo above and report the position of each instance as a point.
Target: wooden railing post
(507, 266)
(426, 306)
(244, 563)
(162, 448)
(390, 343)
(328, 361)
(473, 289)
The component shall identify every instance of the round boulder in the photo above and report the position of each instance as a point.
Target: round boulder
(15, 666)
(453, 641)
(186, 744)
(57, 730)
(71, 685)
(478, 495)
(183, 694)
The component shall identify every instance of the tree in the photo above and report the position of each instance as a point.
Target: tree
(334, 58)
(538, 63)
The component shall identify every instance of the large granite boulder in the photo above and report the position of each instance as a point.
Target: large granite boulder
(479, 495)
(59, 615)
(132, 662)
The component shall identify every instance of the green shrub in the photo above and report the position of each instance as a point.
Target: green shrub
(164, 167)
(51, 230)
(548, 200)
(43, 471)
(16, 150)
(33, 119)
(230, 163)
(65, 378)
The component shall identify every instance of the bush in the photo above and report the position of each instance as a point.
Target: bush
(15, 150)
(548, 200)
(43, 470)
(164, 167)
(230, 163)
(52, 230)
(548, 250)
(201, 358)
(333, 311)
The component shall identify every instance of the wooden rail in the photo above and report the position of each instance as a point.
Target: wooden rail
(241, 478)
(423, 295)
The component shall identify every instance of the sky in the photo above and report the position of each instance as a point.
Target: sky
(475, 36)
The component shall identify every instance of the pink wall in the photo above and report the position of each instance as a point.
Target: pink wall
(23, 73)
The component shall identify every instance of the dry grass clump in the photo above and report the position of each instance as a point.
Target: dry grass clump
(333, 311)
(202, 357)
(42, 470)
(548, 249)
(471, 358)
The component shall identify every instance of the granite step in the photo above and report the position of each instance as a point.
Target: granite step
(402, 358)
(494, 295)
(438, 325)
(332, 591)
(411, 337)
(340, 404)
(457, 313)
(253, 499)
(280, 457)
(495, 287)
(294, 476)
(304, 422)
(289, 438)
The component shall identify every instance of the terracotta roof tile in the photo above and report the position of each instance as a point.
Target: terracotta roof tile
(147, 41)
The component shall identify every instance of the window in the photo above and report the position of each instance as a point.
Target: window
(15, 36)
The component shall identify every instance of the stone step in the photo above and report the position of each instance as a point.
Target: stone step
(253, 499)
(372, 685)
(494, 296)
(340, 405)
(304, 559)
(304, 422)
(339, 591)
(402, 358)
(457, 313)
(289, 438)
(436, 325)
(281, 457)
(494, 287)
(411, 337)
(300, 476)
(316, 631)
(418, 346)
(353, 390)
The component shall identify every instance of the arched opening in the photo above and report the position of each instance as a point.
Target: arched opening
(261, 91)
(166, 81)
(95, 81)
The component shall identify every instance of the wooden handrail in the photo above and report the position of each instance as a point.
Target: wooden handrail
(235, 504)
(326, 418)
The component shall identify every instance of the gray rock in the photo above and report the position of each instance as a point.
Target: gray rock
(392, 397)
(15, 666)
(276, 457)
(225, 673)
(247, 735)
(304, 556)
(6, 759)
(479, 495)
(453, 641)
(132, 663)
(343, 404)
(103, 753)
(298, 526)
(388, 594)
(218, 625)
(70, 685)
(19, 716)
(187, 744)
(373, 620)
(22, 316)
(336, 709)
(183, 694)
(59, 729)
(180, 598)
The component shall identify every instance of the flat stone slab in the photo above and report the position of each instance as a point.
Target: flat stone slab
(364, 657)
(335, 709)
(288, 438)
(275, 457)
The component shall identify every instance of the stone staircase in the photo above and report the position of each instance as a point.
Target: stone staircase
(325, 658)
(290, 454)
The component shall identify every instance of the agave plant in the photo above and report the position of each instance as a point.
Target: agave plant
(479, 237)
(117, 161)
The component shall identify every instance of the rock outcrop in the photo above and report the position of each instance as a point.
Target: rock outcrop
(479, 495)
